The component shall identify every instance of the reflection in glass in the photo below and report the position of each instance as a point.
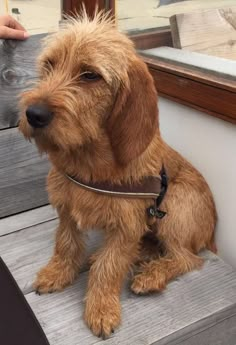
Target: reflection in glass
(136, 15)
(37, 16)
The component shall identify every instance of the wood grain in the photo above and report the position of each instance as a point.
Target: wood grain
(22, 174)
(200, 95)
(27, 250)
(27, 219)
(211, 32)
(195, 309)
(152, 39)
(17, 72)
(197, 89)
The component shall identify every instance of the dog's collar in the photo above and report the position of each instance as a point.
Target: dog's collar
(149, 187)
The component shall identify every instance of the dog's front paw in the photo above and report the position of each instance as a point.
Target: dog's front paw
(102, 315)
(146, 282)
(54, 277)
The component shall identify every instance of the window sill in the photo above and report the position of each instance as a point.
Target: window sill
(208, 89)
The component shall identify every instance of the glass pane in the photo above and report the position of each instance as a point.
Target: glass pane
(135, 15)
(37, 16)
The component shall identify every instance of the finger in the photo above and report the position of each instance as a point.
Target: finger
(11, 23)
(15, 25)
(8, 33)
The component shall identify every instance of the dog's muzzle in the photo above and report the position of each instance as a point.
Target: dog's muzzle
(38, 115)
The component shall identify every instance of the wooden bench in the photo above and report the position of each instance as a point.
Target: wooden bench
(198, 308)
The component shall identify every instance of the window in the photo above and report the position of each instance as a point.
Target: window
(133, 15)
(148, 24)
(37, 16)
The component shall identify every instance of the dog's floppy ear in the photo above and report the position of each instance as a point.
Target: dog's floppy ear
(134, 118)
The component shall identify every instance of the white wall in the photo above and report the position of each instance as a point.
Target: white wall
(210, 145)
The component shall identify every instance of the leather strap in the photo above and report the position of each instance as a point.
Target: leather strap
(148, 187)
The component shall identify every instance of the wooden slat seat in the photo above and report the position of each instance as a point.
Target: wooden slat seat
(198, 308)
(22, 170)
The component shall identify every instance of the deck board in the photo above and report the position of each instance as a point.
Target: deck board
(195, 309)
(191, 306)
(22, 174)
(26, 219)
(27, 250)
(17, 73)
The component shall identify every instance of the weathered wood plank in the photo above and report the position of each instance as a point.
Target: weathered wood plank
(195, 309)
(27, 219)
(27, 250)
(211, 32)
(198, 308)
(17, 71)
(22, 174)
(218, 329)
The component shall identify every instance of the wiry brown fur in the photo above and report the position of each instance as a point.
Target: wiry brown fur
(107, 130)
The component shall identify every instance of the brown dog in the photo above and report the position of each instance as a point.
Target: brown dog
(94, 112)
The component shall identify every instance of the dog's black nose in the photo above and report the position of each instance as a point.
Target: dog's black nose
(38, 115)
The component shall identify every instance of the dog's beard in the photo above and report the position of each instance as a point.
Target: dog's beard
(44, 143)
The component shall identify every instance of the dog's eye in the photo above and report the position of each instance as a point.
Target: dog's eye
(90, 76)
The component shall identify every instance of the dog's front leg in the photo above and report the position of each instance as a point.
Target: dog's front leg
(66, 260)
(102, 310)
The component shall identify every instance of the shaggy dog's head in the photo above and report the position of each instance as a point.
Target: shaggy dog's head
(92, 85)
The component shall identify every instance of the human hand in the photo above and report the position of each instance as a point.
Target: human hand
(11, 29)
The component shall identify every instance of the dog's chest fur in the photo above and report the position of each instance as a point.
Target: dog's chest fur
(92, 210)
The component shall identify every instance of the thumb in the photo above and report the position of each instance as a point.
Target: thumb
(8, 33)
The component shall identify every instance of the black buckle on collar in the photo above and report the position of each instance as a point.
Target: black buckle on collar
(164, 186)
(154, 211)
